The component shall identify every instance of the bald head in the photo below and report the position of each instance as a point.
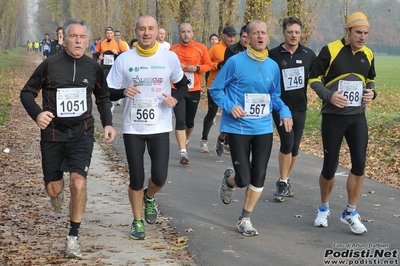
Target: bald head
(185, 33)
(161, 35)
(146, 31)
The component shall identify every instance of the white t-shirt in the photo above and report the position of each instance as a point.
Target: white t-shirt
(165, 45)
(145, 113)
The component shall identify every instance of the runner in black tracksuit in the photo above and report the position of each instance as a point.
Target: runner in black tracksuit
(68, 80)
(295, 62)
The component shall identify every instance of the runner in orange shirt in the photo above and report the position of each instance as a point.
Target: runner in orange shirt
(195, 61)
(108, 50)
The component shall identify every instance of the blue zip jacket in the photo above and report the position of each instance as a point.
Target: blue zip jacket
(242, 75)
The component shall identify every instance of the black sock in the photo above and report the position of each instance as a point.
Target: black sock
(74, 228)
(245, 214)
(146, 197)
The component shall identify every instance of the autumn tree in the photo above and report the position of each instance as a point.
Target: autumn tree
(12, 13)
(209, 7)
(384, 34)
(294, 8)
(128, 19)
(257, 9)
(228, 14)
(206, 16)
(103, 13)
(307, 11)
(162, 14)
(59, 11)
(189, 11)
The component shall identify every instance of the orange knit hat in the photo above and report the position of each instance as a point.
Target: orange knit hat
(356, 19)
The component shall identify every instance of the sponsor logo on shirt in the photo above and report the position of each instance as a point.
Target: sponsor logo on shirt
(155, 89)
(157, 67)
(148, 81)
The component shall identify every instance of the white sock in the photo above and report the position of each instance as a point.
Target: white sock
(281, 180)
(350, 208)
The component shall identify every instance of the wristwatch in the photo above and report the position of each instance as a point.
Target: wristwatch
(197, 68)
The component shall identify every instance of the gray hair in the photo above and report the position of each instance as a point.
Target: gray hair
(76, 21)
(257, 21)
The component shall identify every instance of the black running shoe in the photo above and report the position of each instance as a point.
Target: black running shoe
(281, 191)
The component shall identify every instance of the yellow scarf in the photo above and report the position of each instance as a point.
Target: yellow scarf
(148, 52)
(256, 55)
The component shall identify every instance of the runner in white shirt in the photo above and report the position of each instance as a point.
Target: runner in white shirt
(142, 76)
(146, 113)
(161, 39)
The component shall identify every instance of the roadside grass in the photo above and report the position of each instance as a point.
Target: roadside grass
(10, 62)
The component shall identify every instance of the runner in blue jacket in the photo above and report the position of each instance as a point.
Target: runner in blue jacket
(247, 89)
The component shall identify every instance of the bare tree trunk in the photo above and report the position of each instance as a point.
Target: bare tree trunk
(206, 28)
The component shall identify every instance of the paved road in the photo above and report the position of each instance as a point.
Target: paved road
(286, 232)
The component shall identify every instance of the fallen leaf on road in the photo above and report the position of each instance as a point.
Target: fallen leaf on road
(159, 247)
(368, 220)
(227, 251)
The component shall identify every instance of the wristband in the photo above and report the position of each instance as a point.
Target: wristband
(375, 94)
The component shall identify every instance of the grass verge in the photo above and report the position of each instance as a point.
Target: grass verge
(10, 62)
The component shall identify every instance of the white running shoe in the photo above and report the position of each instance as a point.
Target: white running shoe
(354, 221)
(72, 249)
(184, 158)
(203, 146)
(322, 217)
(245, 227)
